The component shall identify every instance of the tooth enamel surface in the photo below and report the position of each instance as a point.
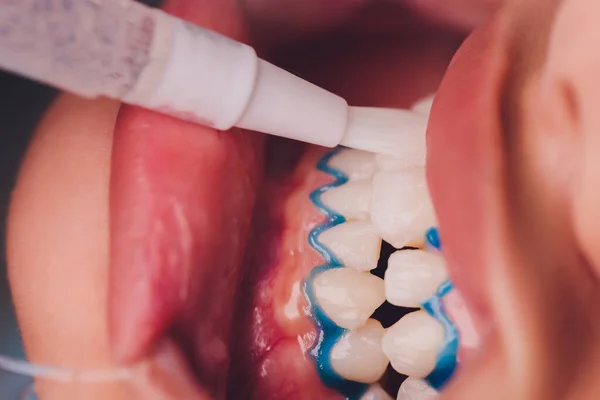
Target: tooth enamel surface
(403, 160)
(412, 276)
(416, 389)
(355, 164)
(348, 296)
(352, 200)
(401, 209)
(376, 392)
(357, 355)
(355, 243)
(413, 343)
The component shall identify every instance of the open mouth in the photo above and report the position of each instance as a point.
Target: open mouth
(282, 270)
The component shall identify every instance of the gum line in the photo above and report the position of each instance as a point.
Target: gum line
(328, 332)
(446, 364)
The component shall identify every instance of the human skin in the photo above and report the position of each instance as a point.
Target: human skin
(512, 170)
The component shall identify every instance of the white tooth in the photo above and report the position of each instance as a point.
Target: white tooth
(401, 209)
(352, 200)
(355, 243)
(423, 106)
(357, 356)
(348, 296)
(356, 164)
(376, 392)
(412, 276)
(416, 389)
(401, 161)
(413, 344)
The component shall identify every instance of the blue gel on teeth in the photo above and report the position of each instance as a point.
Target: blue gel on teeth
(447, 359)
(433, 238)
(328, 331)
(446, 363)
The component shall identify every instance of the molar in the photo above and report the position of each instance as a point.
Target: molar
(416, 389)
(355, 164)
(352, 200)
(355, 243)
(413, 344)
(413, 276)
(375, 392)
(348, 297)
(358, 354)
(401, 209)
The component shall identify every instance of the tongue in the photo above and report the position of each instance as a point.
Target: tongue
(181, 202)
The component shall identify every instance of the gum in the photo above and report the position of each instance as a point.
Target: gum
(302, 260)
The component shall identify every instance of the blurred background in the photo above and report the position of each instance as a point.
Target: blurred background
(21, 106)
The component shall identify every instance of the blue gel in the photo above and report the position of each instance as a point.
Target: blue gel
(328, 333)
(433, 238)
(446, 364)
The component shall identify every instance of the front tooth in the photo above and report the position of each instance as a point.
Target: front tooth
(401, 209)
(375, 392)
(416, 389)
(357, 356)
(352, 200)
(355, 164)
(413, 344)
(355, 243)
(348, 296)
(412, 276)
(402, 161)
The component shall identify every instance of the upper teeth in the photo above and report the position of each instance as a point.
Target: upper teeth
(401, 210)
(413, 344)
(412, 276)
(348, 296)
(358, 355)
(416, 389)
(352, 200)
(355, 243)
(386, 162)
(386, 198)
(355, 164)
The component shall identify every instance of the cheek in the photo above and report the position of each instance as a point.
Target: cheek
(57, 245)
(573, 70)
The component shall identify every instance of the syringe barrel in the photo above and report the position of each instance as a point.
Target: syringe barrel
(90, 48)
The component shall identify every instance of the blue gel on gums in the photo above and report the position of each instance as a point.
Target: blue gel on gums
(446, 364)
(328, 333)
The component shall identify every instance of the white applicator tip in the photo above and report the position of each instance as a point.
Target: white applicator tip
(386, 131)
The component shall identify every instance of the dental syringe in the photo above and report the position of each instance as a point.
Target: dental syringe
(145, 57)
